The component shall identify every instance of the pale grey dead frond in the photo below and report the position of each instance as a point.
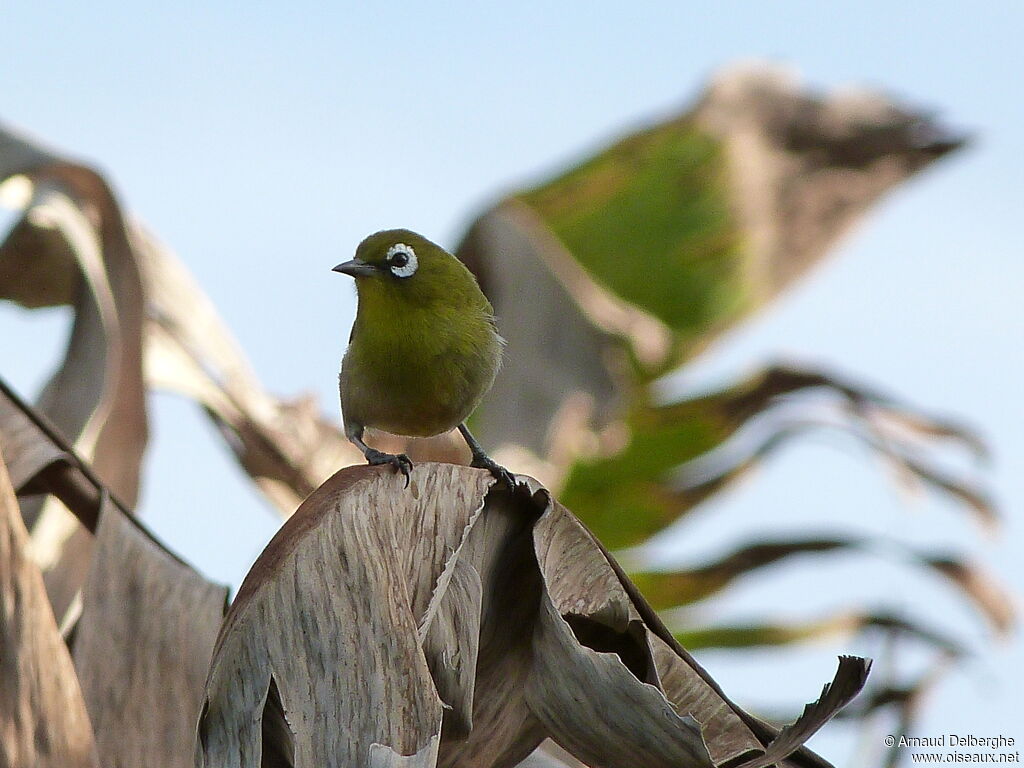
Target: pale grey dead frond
(555, 347)
(286, 446)
(458, 624)
(43, 721)
(591, 651)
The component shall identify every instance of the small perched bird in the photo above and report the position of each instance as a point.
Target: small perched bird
(424, 348)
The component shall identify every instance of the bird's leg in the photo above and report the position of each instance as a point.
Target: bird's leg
(483, 461)
(399, 461)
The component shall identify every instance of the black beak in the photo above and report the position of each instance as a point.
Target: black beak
(355, 268)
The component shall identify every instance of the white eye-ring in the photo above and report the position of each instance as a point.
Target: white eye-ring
(402, 260)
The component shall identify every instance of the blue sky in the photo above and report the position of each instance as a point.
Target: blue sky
(263, 141)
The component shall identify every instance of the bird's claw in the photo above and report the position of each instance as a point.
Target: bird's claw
(501, 474)
(399, 461)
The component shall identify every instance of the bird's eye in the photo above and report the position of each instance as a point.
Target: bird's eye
(402, 260)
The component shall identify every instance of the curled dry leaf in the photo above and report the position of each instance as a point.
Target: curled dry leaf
(459, 623)
(73, 235)
(43, 721)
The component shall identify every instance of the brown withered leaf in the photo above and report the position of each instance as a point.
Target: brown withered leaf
(904, 699)
(983, 588)
(812, 163)
(43, 721)
(142, 646)
(458, 623)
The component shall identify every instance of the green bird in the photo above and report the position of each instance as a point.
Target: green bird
(424, 348)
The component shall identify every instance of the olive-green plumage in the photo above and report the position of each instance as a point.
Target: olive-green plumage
(424, 348)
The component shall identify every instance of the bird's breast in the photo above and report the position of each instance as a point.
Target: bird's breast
(414, 379)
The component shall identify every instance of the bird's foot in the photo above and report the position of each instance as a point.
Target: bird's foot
(502, 475)
(399, 461)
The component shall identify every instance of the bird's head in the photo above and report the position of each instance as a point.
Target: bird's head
(399, 264)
